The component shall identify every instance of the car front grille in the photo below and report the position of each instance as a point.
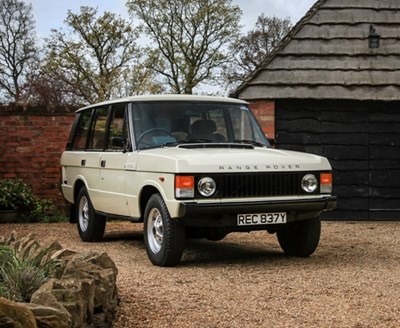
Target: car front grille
(242, 185)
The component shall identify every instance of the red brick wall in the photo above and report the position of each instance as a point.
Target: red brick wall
(30, 148)
(265, 112)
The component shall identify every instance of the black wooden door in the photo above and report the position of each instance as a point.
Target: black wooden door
(362, 142)
(384, 155)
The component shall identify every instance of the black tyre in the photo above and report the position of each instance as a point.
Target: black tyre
(300, 238)
(164, 238)
(91, 226)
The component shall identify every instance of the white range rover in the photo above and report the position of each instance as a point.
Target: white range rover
(190, 166)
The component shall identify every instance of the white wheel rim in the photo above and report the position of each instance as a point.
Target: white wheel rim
(83, 213)
(155, 233)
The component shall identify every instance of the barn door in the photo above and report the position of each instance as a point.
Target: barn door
(384, 163)
(361, 141)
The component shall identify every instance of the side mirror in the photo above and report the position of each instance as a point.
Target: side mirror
(118, 142)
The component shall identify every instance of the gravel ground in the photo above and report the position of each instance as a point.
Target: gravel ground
(245, 281)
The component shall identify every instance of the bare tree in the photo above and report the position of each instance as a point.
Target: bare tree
(52, 95)
(93, 59)
(252, 49)
(17, 47)
(191, 38)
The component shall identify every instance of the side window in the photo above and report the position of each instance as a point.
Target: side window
(118, 136)
(242, 127)
(98, 137)
(82, 130)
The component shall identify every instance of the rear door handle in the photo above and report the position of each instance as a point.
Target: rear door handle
(83, 162)
(103, 163)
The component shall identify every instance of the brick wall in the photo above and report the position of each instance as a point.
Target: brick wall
(30, 148)
(265, 113)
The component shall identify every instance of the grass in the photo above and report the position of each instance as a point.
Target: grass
(21, 277)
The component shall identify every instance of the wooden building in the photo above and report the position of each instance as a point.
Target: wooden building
(334, 85)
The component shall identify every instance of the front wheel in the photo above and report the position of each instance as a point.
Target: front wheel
(164, 237)
(91, 226)
(300, 238)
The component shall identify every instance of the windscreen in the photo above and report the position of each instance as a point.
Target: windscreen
(160, 124)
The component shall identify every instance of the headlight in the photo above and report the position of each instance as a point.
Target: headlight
(309, 183)
(206, 187)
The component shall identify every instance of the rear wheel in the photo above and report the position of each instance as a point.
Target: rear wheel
(91, 226)
(164, 237)
(300, 238)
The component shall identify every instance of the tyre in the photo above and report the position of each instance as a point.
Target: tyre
(91, 226)
(164, 238)
(300, 238)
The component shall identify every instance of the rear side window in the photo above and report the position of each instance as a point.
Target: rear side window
(82, 130)
(118, 132)
(98, 136)
(101, 129)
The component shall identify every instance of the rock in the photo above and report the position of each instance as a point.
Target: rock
(45, 296)
(82, 292)
(77, 296)
(63, 254)
(21, 316)
(7, 322)
(47, 316)
(101, 269)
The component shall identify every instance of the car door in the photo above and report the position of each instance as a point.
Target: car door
(112, 163)
(90, 161)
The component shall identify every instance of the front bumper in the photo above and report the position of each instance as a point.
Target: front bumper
(224, 214)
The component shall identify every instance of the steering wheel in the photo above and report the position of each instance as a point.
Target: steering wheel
(145, 133)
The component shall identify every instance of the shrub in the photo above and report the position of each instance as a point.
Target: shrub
(42, 208)
(16, 195)
(6, 255)
(20, 278)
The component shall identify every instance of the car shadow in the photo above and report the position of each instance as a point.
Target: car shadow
(203, 253)
(122, 235)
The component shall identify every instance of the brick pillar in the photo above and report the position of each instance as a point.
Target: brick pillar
(264, 110)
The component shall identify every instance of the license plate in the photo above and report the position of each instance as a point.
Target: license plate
(261, 218)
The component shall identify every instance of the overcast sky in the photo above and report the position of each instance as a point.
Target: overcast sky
(52, 13)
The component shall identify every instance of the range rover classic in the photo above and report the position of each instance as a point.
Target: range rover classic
(190, 166)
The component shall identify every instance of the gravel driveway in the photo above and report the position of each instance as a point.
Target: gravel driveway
(352, 280)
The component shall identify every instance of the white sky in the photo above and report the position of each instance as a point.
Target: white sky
(50, 14)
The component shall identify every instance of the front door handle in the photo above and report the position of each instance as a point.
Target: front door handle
(103, 163)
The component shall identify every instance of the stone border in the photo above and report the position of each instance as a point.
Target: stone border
(82, 293)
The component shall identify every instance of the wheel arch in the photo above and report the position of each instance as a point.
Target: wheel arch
(77, 187)
(79, 183)
(145, 195)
